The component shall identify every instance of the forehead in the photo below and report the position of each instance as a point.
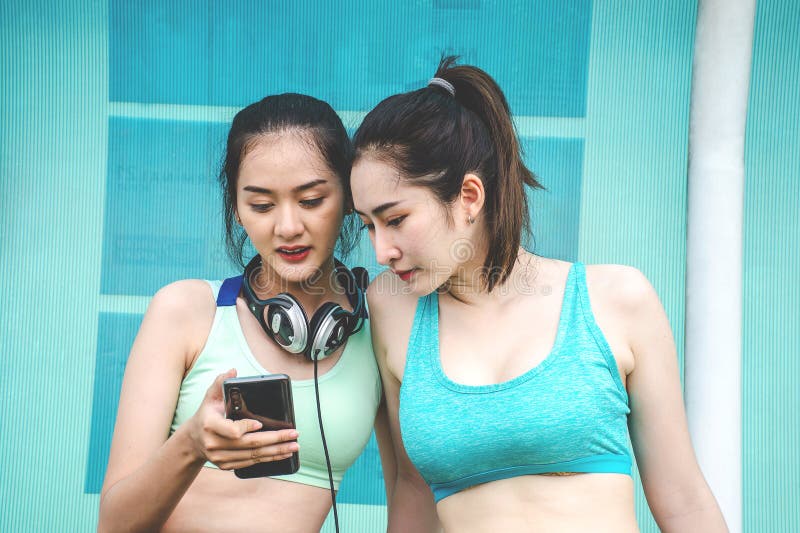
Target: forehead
(278, 160)
(374, 183)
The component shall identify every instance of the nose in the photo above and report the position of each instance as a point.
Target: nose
(385, 249)
(289, 223)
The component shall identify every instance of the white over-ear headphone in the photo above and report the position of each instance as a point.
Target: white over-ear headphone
(285, 321)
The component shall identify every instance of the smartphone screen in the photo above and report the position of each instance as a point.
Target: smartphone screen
(267, 399)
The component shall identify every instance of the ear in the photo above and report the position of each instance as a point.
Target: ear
(472, 195)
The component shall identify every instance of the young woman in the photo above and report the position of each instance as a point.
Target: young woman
(511, 380)
(285, 182)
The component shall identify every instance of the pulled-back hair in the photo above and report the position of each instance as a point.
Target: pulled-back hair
(434, 139)
(310, 120)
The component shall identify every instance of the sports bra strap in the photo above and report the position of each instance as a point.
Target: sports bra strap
(229, 291)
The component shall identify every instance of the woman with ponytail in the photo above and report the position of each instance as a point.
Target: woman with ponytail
(511, 379)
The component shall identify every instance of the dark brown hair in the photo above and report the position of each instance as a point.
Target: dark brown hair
(434, 138)
(314, 122)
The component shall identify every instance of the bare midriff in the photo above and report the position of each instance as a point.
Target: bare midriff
(564, 503)
(219, 501)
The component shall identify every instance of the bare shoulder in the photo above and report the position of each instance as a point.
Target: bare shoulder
(621, 287)
(186, 307)
(391, 318)
(625, 301)
(183, 299)
(388, 301)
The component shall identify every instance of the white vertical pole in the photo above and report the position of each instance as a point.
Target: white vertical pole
(720, 92)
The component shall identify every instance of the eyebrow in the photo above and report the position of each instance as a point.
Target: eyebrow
(299, 188)
(380, 209)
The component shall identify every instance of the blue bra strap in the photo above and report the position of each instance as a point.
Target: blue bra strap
(229, 291)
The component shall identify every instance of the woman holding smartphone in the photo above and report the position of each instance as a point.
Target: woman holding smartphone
(285, 183)
(512, 380)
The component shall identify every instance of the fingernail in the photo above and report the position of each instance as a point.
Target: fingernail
(293, 435)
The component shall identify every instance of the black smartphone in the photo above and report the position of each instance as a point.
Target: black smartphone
(267, 399)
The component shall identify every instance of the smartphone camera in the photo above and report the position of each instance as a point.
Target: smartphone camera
(236, 399)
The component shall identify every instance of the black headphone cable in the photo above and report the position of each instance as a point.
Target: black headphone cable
(325, 446)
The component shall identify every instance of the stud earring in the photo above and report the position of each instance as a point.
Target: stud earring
(470, 219)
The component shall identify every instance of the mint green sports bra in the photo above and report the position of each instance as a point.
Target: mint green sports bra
(567, 414)
(349, 395)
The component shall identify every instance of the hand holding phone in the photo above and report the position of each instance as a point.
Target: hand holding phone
(268, 400)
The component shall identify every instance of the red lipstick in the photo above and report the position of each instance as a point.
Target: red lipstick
(293, 254)
(405, 275)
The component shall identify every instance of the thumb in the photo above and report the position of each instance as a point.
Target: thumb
(214, 392)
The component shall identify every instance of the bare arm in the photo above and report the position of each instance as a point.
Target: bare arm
(386, 449)
(410, 502)
(676, 490)
(149, 471)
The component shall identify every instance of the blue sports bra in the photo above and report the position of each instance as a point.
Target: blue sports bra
(567, 414)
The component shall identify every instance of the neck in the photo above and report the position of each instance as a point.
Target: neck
(470, 286)
(311, 292)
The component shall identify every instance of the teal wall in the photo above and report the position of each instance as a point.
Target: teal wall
(771, 296)
(112, 118)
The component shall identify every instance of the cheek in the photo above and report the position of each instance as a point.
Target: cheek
(333, 218)
(328, 222)
(426, 236)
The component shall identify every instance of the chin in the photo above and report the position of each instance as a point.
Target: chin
(309, 272)
(420, 286)
(284, 272)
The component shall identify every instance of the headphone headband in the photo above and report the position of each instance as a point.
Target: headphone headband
(304, 333)
(353, 281)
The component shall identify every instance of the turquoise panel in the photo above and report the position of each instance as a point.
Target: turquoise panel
(555, 211)
(363, 482)
(163, 210)
(770, 332)
(232, 53)
(115, 334)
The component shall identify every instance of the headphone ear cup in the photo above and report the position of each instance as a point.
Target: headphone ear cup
(286, 323)
(323, 330)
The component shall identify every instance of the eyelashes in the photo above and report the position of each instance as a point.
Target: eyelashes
(308, 203)
(395, 222)
(392, 223)
(312, 202)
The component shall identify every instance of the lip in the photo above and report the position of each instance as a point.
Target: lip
(291, 253)
(405, 275)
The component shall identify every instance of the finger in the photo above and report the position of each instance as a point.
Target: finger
(234, 430)
(274, 452)
(259, 439)
(243, 464)
(214, 392)
(263, 454)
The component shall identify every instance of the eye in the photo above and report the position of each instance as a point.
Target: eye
(366, 226)
(261, 208)
(394, 222)
(312, 202)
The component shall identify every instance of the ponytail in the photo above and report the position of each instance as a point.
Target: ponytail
(436, 132)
